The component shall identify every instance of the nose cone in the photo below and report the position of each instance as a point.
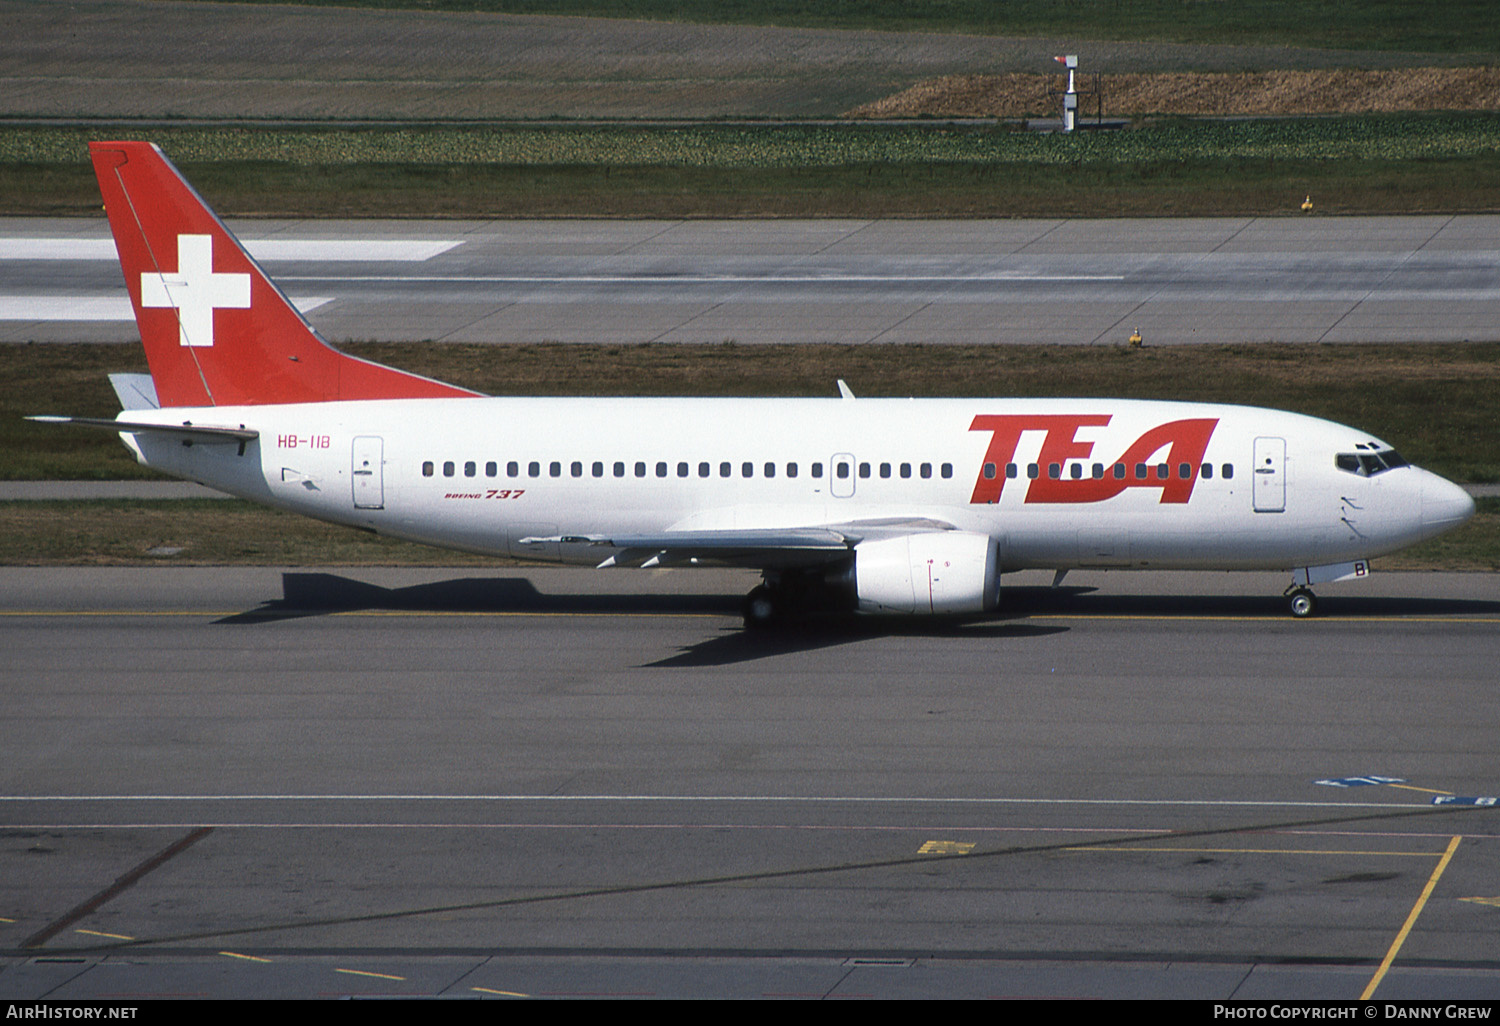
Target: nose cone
(1444, 504)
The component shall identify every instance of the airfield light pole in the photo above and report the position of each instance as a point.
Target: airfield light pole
(1070, 98)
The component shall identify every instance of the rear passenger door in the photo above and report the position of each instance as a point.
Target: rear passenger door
(369, 472)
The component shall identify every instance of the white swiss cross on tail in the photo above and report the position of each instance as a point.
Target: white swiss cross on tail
(195, 290)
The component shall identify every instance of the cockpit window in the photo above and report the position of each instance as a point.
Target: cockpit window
(1369, 463)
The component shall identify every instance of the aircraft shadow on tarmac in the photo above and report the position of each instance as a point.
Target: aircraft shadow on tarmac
(320, 594)
(739, 646)
(1085, 601)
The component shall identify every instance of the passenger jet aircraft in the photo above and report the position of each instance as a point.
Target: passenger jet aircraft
(897, 506)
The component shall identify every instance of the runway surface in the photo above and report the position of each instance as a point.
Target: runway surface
(1213, 280)
(268, 782)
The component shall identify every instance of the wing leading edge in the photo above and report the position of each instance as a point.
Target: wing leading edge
(752, 548)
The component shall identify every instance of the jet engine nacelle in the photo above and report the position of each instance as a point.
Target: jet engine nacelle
(941, 572)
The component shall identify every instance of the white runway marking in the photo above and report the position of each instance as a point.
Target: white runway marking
(97, 308)
(726, 799)
(699, 279)
(362, 250)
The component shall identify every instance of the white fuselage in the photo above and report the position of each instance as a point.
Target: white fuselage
(1057, 483)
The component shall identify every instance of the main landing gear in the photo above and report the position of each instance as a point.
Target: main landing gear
(1300, 601)
(761, 608)
(790, 594)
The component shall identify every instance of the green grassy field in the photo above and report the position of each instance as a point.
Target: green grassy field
(1446, 26)
(216, 532)
(211, 532)
(1364, 164)
(1393, 137)
(1392, 391)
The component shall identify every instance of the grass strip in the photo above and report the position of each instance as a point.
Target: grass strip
(1364, 164)
(1390, 390)
(797, 145)
(226, 532)
(1438, 403)
(196, 532)
(1159, 189)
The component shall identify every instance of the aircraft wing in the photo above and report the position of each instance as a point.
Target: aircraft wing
(754, 548)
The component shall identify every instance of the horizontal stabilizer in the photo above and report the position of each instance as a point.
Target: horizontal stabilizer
(186, 430)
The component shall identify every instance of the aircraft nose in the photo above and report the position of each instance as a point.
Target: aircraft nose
(1444, 504)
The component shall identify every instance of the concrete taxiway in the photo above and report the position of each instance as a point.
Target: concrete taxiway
(1177, 281)
(235, 782)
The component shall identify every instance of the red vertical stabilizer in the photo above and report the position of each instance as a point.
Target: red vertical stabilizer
(217, 331)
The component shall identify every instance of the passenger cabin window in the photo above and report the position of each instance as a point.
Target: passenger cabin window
(427, 469)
